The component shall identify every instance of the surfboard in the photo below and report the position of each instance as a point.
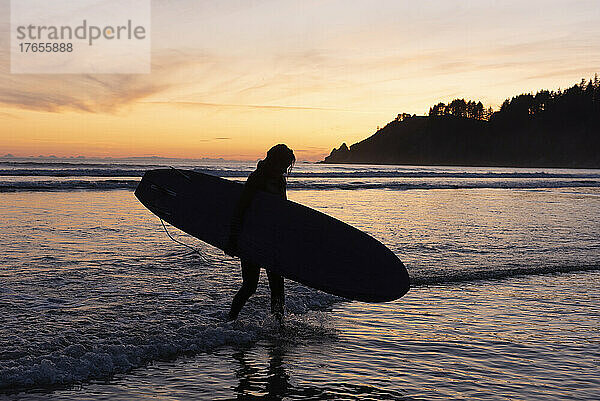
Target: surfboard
(300, 243)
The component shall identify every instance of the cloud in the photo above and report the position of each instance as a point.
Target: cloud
(74, 93)
(7, 115)
(312, 150)
(248, 106)
(591, 70)
(309, 79)
(218, 138)
(99, 93)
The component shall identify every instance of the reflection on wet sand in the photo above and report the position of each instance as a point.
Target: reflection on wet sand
(274, 382)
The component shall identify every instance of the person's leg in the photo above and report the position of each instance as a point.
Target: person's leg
(277, 295)
(250, 274)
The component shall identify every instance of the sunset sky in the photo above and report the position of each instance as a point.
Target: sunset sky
(231, 78)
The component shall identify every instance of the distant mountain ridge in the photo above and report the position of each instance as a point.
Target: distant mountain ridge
(548, 129)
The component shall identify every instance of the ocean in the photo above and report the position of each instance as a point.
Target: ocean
(96, 302)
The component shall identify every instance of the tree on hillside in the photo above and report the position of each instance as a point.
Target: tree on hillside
(460, 108)
(404, 116)
(581, 102)
(438, 110)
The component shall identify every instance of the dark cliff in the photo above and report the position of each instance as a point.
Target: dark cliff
(549, 129)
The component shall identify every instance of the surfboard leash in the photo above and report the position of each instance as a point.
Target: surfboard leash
(194, 250)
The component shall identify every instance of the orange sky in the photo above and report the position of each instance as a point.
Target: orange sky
(230, 79)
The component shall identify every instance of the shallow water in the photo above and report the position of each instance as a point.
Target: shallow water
(524, 338)
(97, 302)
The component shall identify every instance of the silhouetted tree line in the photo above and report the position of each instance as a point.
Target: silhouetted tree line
(550, 128)
(462, 108)
(404, 116)
(576, 104)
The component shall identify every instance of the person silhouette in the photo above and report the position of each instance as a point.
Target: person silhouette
(269, 176)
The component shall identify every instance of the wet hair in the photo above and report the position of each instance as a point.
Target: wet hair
(280, 156)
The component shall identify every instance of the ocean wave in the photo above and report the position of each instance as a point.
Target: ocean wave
(402, 186)
(496, 274)
(63, 164)
(47, 186)
(88, 172)
(109, 172)
(107, 185)
(76, 363)
(76, 359)
(138, 171)
(444, 174)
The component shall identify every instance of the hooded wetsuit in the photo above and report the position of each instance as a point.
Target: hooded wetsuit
(262, 179)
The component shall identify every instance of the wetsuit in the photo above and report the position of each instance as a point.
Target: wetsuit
(262, 179)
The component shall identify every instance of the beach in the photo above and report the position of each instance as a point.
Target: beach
(98, 302)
